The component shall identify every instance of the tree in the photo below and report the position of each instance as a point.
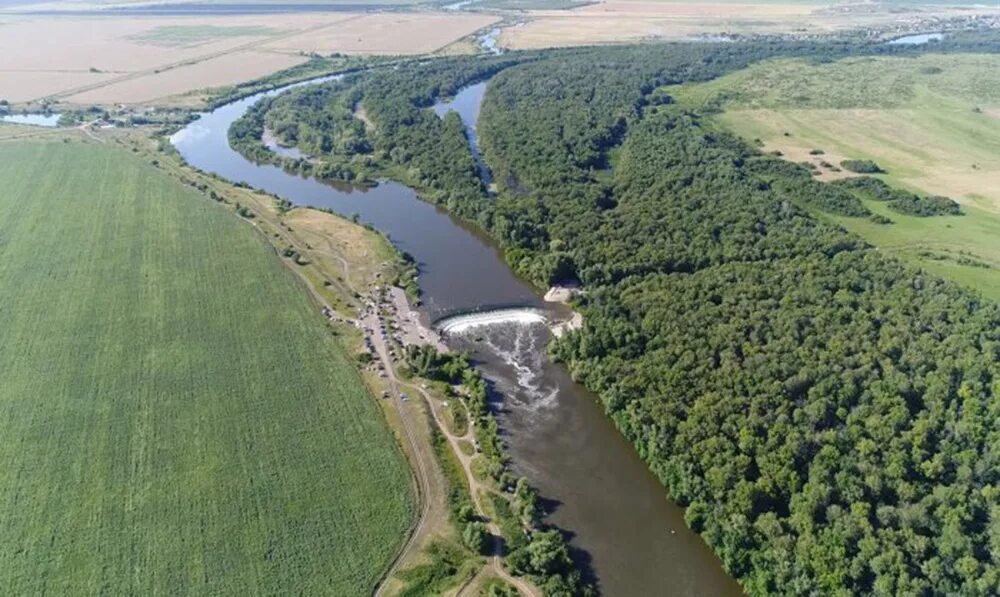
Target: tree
(475, 536)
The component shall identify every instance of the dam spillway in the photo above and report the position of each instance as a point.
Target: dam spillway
(457, 324)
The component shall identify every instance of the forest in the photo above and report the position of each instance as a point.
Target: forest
(826, 415)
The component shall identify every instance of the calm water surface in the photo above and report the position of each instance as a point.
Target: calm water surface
(916, 40)
(627, 534)
(32, 119)
(466, 103)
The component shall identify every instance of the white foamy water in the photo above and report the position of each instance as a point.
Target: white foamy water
(516, 338)
(462, 323)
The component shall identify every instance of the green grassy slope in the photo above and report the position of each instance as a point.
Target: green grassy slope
(932, 121)
(174, 418)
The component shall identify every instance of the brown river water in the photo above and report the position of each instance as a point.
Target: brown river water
(626, 534)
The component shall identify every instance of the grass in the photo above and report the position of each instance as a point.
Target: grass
(963, 248)
(933, 122)
(866, 82)
(189, 35)
(174, 416)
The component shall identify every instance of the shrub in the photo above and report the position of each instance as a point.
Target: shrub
(923, 207)
(474, 536)
(862, 166)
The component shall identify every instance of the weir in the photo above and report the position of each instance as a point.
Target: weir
(457, 324)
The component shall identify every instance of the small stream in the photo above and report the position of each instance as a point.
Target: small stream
(624, 531)
(466, 103)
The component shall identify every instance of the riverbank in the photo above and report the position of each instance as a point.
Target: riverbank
(349, 271)
(461, 271)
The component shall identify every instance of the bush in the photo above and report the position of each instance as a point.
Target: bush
(923, 207)
(474, 536)
(872, 188)
(862, 166)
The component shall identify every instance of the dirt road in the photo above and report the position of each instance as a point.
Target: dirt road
(374, 325)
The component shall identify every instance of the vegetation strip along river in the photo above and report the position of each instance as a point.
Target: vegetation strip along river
(632, 539)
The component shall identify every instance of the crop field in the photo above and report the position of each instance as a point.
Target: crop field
(618, 21)
(389, 33)
(932, 122)
(190, 35)
(174, 416)
(155, 60)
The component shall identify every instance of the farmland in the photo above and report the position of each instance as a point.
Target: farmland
(930, 121)
(142, 60)
(175, 417)
(619, 21)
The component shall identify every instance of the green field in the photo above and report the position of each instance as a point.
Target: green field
(174, 416)
(963, 248)
(932, 121)
(863, 82)
(189, 35)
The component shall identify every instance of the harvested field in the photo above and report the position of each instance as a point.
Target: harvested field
(223, 70)
(112, 44)
(72, 55)
(617, 21)
(389, 33)
(24, 86)
(144, 59)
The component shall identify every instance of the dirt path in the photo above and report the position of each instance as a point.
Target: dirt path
(477, 489)
(361, 114)
(373, 323)
(85, 127)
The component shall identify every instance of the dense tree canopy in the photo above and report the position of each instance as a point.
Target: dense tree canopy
(827, 416)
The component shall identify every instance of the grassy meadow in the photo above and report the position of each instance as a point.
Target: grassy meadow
(174, 416)
(933, 122)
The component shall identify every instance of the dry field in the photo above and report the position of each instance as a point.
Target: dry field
(389, 33)
(133, 60)
(616, 21)
(227, 69)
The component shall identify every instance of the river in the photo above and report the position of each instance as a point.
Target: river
(624, 530)
(466, 103)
